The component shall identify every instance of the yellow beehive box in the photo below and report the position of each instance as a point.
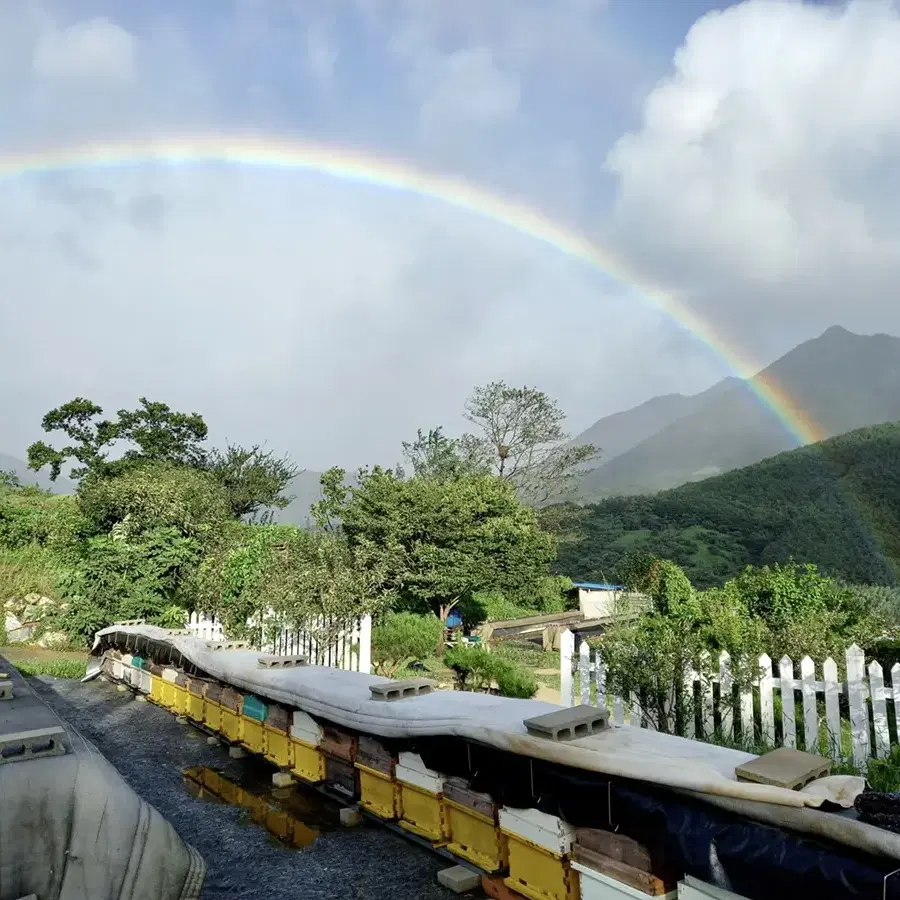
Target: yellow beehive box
(253, 735)
(212, 715)
(307, 761)
(169, 688)
(379, 793)
(278, 747)
(537, 873)
(422, 812)
(156, 689)
(475, 837)
(230, 724)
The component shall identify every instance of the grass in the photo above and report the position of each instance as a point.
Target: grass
(31, 569)
(32, 661)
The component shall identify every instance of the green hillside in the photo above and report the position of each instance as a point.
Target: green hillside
(836, 503)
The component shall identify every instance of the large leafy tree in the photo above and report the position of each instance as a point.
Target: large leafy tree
(437, 457)
(438, 542)
(521, 437)
(151, 433)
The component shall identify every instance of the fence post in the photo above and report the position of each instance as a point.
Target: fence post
(707, 720)
(365, 645)
(788, 712)
(859, 715)
(766, 704)
(879, 710)
(832, 708)
(810, 709)
(600, 678)
(584, 673)
(747, 728)
(566, 653)
(726, 695)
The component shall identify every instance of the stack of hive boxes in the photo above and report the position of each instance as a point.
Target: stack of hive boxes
(196, 688)
(212, 705)
(378, 791)
(252, 724)
(473, 826)
(307, 760)
(340, 748)
(276, 736)
(421, 792)
(539, 847)
(613, 867)
(230, 713)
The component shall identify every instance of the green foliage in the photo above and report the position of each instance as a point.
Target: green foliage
(436, 543)
(74, 669)
(883, 775)
(152, 433)
(834, 504)
(155, 495)
(401, 638)
(475, 669)
(436, 457)
(254, 479)
(9, 479)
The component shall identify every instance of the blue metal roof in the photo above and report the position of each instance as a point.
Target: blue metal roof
(595, 586)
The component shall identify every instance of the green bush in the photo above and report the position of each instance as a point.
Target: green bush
(475, 669)
(402, 638)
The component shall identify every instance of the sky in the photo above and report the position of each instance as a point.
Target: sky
(744, 158)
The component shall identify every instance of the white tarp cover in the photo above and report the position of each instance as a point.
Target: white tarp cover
(72, 829)
(640, 754)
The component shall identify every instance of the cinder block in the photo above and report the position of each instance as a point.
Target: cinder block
(6, 690)
(212, 741)
(784, 767)
(569, 724)
(141, 698)
(401, 690)
(273, 661)
(236, 752)
(459, 879)
(181, 720)
(282, 780)
(351, 817)
(32, 744)
(121, 688)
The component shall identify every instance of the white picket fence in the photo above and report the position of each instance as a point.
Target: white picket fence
(872, 705)
(347, 647)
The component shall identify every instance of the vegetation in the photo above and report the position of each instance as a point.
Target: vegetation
(836, 504)
(56, 668)
(475, 669)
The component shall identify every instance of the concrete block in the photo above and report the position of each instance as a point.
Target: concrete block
(6, 690)
(181, 720)
(236, 752)
(141, 698)
(23, 745)
(212, 741)
(273, 661)
(351, 817)
(121, 688)
(784, 767)
(459, 879)
(569, 724)
(401, 690)
(134, 622)
(282, 780)
(227, 645)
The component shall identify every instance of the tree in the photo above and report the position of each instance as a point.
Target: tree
(437, 543)
(436, 457)
(154, 432)
(254, 479)
(522, 439)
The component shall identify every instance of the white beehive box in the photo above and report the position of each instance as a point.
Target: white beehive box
(170, 675)
(305, 728)
(597, 886)
(411, 770)
(549, 832)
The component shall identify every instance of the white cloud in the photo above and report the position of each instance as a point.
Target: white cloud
(765, 170)
(96, 48)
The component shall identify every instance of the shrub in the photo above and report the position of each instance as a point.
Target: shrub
(477, 670)
(401, 638)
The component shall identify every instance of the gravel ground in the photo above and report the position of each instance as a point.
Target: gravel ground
(151, 751)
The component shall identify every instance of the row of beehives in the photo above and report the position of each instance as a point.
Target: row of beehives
(524, 852)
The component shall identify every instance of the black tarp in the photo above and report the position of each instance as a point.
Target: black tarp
(758, 861)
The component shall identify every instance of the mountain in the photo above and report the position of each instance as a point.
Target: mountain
(305, 490)
(835, 503)
(841, 380)
(42, 479)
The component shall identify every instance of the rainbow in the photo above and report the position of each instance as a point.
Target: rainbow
(356, 166)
